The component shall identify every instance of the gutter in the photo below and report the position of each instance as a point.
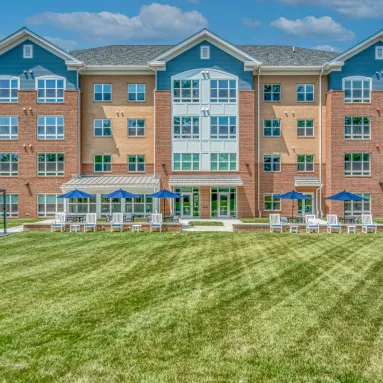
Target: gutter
(78, 124)
(320, 142)
(259, 143)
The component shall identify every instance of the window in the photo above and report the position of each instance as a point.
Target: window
(136, 92)
(357, 128)
(50, 164)
(223, 161)
(136, 127)
(11, 205)
(9, 128)
(223, 91)
(305, 163)
(50, 127)
(49, 204)
(186, 90)
(270, 203)
(357, 164)
(358, 207)
(139, 206)
(271, 92)
(379, 53)
(305, 128)
(223, 128)
(305, 93)
(185, 161)
(272, 162)
(110, 205)
(82, 205)
(9, 164)
(272, 128)
(185, 127)
(357, 89)
(9, 89)
(102, 127)
(102, 163)
(205, 52)
(136, 163)
(27, 51)
(50, 89)
(102, 92)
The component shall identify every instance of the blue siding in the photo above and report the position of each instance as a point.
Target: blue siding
(362, 64)
(219, 60)
(43, 63)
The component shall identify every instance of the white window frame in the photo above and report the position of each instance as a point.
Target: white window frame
(357, 173)
(74, 205)
(378, 49)
(305, 128)
(43, 100)
(272, 127)
(55, 136)
(305, 92)
(130, 205)
(219, 161)
(272, 92)
(355, 136)
(362, 99)
(136, 128)
(59, 205)
(181, 98)
(228, 136)
(272, 162)
(10, 99)
(103, 163)
(25, 49)
(12, 172)
(10, 136)
(136, 163)
(192, 162)
(223, 100)
(102, 127)
(194, 123)
(136, 92)
(102, 92)
(9, 211)
(349, 206)
(203, 57)
(45, 172)
(273, 201)
(305, 163)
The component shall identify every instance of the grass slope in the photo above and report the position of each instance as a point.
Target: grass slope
(191, 307)
(205, 223)
(17, 222)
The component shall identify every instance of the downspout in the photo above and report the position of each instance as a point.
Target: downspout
(320, 142)
(259, 142)
(78, 125)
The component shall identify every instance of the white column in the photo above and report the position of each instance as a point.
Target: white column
(98, 205)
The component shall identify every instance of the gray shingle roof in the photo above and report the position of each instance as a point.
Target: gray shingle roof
(140, 55)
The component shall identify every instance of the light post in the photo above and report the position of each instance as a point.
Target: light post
(4, 209)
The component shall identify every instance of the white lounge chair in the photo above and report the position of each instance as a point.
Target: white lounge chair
(59, 222)
(117, 222)
(367, 224)
(156, 222)
(311, 225)
(332, 223)
(90, 222)
(275, 223)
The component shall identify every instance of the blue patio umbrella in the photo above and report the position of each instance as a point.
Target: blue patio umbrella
(293, 195)
(165, 194)
(345, 196)
(121, 194)
(76, 194)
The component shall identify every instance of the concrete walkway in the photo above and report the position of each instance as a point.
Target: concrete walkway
(227, 225)
(19, 229)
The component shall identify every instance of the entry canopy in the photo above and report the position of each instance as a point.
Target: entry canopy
(121, 194)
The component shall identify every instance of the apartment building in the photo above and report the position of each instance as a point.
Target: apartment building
(227, 126)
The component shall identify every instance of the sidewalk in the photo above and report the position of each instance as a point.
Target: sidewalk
(227, 225)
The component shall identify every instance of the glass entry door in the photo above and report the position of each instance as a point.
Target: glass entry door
(187, 204)
(224, 208)
(306, 206)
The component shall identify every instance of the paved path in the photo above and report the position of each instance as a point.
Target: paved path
(227, 225)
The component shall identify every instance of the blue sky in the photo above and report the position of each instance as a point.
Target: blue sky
(74, 24)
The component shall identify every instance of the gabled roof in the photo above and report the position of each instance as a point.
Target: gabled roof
(25, 34)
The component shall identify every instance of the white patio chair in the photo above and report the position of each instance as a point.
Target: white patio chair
(156, 222)
(59, 222)
(332, 223)
(275, 223)
(311, 225)
(367, 224)
(117, 222)
(90, 222)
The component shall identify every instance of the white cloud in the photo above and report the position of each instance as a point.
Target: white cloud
(155, 22)
(324, 28)
(353, 8)
(249, 22)
(326, 47)
(62, 43)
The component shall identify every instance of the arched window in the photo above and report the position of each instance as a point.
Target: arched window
(50, 89)
(9, 89)
(357, 89)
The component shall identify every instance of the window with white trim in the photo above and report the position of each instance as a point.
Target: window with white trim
(205, 52)
(102, 163)
(136, 92)
(357, 128)
(379, 52)
(223, 128)
(136, 127)
(271, 92)
(49, 204)
(185, 127)
(11, 205)
(102, 92)
(357, 89)
(357, 164)
(102, 127)
(305, 128)
(50, 89)
(223, 91)
(305, 92)
(50, 127)
(358, 207)
(305, 162)
(223, 161)
(272, 128)
(50, 164)
(9, 89)
(9, 128)
(82, 205)
(185, 90)
(139, 206)
(270, 203)
(110, 205)
(136, 163)
(9, 164)
(186, 161)
(28, 51)
(272, 162)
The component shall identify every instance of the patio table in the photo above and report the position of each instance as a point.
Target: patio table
(350, 219)
(296, 219)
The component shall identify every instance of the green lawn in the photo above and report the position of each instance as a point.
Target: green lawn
(255, 220)
(191, 307)
(17, 222)
(205, 223)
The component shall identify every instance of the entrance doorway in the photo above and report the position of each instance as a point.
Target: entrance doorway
(224, 202)
(223, 205)
(306, 206)
(188, 206)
